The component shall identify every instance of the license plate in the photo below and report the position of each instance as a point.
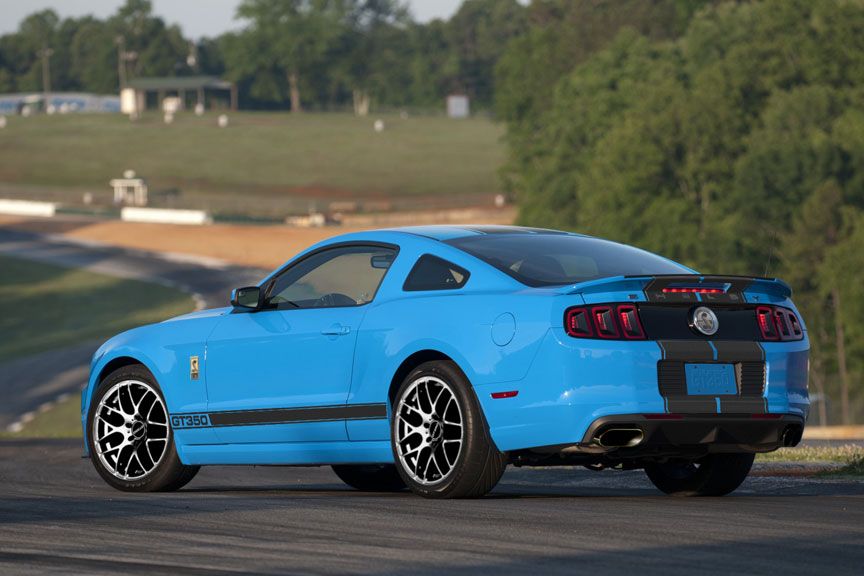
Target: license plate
(710, 379)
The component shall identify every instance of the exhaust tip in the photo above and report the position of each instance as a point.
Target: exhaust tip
(620, 437)
(792, 436)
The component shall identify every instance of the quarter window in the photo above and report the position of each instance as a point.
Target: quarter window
(433, 273)
(343, 276)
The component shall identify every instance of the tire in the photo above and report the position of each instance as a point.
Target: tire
(128, 408)
(713, 475)
(435, 456)
(371, 477)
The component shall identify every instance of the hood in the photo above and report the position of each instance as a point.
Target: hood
(209, 313)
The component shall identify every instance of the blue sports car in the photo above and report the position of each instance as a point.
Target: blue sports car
(432, 357)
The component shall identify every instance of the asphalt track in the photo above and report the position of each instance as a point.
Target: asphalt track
(57, 516)
(30, 382)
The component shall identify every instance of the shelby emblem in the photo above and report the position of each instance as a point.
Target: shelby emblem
(705, 321)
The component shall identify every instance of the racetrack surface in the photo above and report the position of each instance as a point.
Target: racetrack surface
(57, 516)
(29, 382)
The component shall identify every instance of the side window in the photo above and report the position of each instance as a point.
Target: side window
(433, 273)
(342, 276)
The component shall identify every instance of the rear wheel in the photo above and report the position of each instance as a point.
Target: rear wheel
(440, 441)
(130, 439)
(371, 477)
(713, 475)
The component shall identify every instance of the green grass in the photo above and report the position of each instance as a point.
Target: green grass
(43, 307)
(62, 420)
(841, 454)
(850, 456)
(264, 154)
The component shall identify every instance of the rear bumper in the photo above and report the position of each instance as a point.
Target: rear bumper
(662, 436)
(573, 384)
(723, 432)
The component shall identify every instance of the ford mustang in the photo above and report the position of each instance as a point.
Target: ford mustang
(431, 357)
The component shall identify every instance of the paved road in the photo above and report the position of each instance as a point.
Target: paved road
(26, 383)
(57, 516)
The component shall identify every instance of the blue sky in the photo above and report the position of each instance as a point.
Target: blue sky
(196, 17)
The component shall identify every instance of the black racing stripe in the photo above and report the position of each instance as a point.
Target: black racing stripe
(743, 405)
(692, 405)
(739, 351)
(748, 359)
(295, 415)
(688, 350)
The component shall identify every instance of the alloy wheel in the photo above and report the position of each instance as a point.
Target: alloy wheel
(130, 430)
(429, 430)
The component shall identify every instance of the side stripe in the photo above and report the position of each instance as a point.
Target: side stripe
(280, 416)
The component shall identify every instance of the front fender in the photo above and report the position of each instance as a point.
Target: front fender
(165, 349)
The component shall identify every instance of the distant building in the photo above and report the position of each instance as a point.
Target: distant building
(458, 106)
(136, 97)
(130, 190)
(59, 102)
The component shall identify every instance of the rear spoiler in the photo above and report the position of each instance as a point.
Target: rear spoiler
(685, 287)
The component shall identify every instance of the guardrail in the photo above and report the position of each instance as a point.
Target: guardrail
(27, 208)
(166, 216)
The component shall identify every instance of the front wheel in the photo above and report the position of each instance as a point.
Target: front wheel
(713, 475)
(130, 439)
(440, 442)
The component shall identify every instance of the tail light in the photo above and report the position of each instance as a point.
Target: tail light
(604, 322)
(631, 325)
(609, 322)
(778, 324)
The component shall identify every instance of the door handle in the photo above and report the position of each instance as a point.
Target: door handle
(336, 330)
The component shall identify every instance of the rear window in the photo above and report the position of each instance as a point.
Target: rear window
(554, 260)
(433, 273)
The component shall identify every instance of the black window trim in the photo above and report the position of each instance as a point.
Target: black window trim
(268, 286)
(449, 263)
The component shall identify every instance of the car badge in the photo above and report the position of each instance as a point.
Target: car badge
(705, 321)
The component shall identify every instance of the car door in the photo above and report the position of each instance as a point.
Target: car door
(283, 373)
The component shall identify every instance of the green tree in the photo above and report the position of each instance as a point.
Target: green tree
(841, 279)
(735, 148)
(371, 58)
(285, 41)
(478, 35)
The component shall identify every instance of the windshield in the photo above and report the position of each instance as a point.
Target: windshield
(559, 259)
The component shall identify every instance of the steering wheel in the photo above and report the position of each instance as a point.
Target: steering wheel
(334, 299)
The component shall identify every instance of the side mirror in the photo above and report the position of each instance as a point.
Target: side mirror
(249, 297)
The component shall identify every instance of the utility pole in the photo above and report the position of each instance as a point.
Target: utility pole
(45, 55)
(121, 60)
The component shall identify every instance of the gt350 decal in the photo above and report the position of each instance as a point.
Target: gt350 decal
(190, 421)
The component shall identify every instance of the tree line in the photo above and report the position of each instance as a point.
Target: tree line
(728, 136)
(286, 54)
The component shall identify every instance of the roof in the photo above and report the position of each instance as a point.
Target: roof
(179, 83)
(448, 232)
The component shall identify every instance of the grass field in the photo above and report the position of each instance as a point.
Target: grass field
(44, 307)
(62, 420)
(850, 456)
(260, 156)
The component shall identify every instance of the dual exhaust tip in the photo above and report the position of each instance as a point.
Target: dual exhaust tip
(619, 437)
